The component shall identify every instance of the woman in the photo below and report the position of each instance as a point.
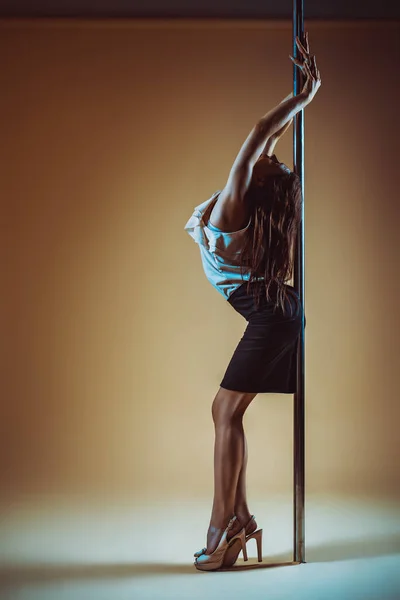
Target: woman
(246, 235)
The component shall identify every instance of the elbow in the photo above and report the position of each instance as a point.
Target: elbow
(266, 127)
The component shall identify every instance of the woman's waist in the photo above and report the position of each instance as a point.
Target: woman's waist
(247, 288)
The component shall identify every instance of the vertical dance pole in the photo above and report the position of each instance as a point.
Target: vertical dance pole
(299, 405)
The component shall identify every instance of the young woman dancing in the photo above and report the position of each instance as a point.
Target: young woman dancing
(246, 235)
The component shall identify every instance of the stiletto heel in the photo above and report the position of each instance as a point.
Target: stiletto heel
(257, 535)
(233, 552)
(242, 537)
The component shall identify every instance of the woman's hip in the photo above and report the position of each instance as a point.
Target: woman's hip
(284, 306)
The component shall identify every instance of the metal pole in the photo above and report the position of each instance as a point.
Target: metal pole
(299, 404)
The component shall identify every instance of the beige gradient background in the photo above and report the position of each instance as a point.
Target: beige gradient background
(113, 342)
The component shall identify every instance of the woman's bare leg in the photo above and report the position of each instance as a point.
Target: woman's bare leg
(242, 511)
(229, 455)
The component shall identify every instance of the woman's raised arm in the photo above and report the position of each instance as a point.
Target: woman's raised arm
(272, 122)
(241, 172)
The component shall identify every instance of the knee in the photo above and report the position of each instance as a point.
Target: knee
(227, 407)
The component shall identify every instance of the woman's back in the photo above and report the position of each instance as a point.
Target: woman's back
(220, 250)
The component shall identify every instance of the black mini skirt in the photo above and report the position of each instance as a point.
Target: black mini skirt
(266, 356)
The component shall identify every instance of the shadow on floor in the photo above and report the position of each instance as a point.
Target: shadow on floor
(335, 551)
(360, 548)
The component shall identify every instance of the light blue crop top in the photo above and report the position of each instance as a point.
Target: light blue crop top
(219, 250)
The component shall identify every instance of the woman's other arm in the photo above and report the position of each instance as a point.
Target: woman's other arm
(274, 139)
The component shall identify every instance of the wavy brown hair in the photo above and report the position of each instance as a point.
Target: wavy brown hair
(269, 246)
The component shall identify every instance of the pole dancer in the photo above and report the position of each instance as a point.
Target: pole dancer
(247, 234)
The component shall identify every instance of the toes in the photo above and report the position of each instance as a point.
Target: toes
(202, 559)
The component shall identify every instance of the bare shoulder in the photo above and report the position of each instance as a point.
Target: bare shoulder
(229, 213)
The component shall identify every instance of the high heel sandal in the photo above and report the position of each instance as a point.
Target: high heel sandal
(213, 561)
(204, 550)
(234, 549)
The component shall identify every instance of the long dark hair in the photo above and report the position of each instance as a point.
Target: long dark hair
(269, 246)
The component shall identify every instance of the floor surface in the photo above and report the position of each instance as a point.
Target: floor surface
(145, 552)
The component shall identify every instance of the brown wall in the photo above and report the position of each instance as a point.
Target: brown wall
(114, 342)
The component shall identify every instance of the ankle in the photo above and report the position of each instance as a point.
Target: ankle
(219, 520)
(243, 515)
